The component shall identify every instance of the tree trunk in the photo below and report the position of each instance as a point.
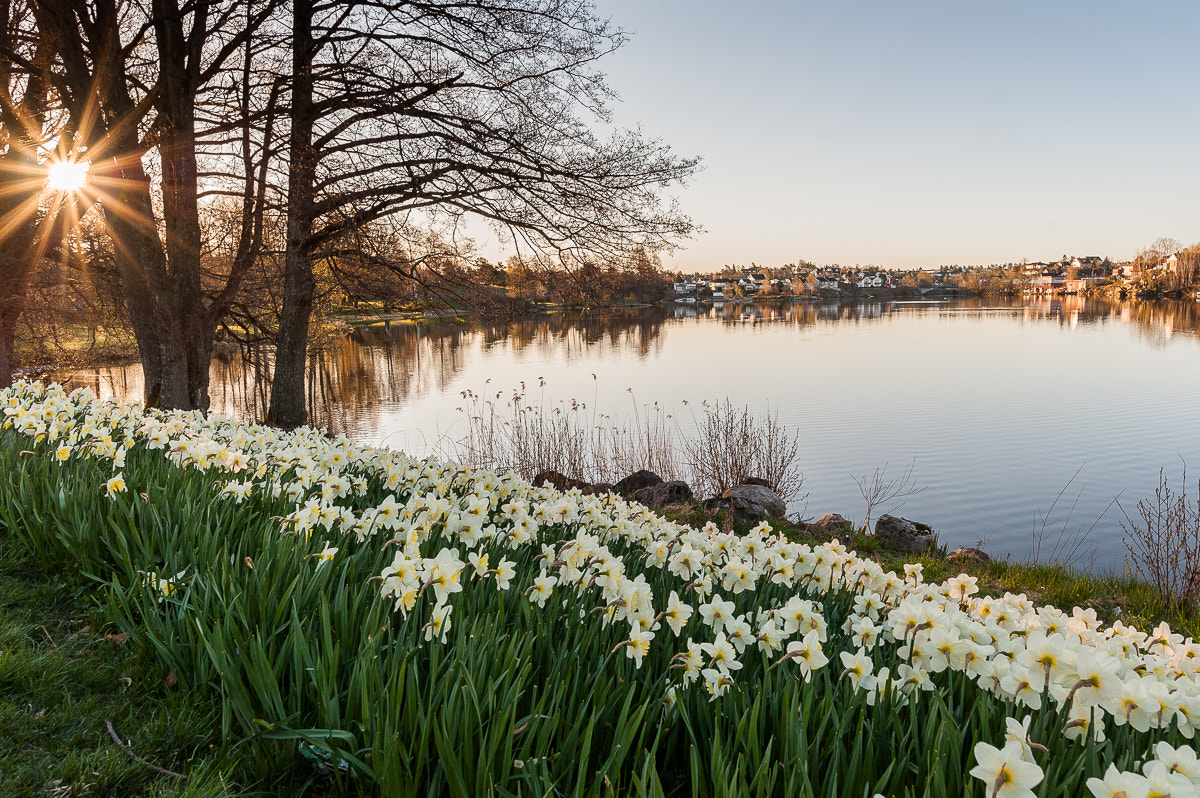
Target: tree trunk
(178, 64)
(288, 408)
(15, 262)
(147, 286)
(22, 126)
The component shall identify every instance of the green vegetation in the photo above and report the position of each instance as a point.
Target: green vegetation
(311, 599)
(1114, 596)
(66, 673)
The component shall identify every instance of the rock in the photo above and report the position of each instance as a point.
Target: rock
(900, 534)
(769, 504)
(969, 556)
(636, 481)
(556, 480)
(715, 504)
(833, 523)
(596, 488)
(747, 510)
(674, 492)
(757, 481)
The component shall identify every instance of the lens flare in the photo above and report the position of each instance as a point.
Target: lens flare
(67, 175)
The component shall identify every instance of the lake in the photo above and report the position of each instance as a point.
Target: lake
(1000, 407)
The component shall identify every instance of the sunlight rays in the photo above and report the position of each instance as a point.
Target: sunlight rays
(67, 176)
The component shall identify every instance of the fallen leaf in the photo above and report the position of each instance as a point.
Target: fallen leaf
(119, 638)
(171, 681)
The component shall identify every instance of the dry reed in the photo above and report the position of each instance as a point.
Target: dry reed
(728, 446)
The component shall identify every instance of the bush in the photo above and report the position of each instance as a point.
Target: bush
(1164, 543)
(730, 445)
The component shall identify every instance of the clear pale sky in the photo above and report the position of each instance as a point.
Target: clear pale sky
(910, 134)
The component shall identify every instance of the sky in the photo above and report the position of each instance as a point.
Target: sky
(917, 134)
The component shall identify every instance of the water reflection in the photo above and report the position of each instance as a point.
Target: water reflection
(389, 363)
(999, 403)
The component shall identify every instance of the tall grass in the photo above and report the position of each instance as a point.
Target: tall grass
(724, 446)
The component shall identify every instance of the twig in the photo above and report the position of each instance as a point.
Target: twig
(51, 639)
(113, 734)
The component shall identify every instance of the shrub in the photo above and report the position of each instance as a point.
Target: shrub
(729, 446)
(1164, 542)
(732, 445)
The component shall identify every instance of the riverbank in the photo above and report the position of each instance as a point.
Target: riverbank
(1114, 596)
(318, 591)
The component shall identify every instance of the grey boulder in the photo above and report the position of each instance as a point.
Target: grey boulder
(900, 534)
(756, 501)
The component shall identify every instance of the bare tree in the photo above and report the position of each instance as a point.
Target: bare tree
(132, 78)
(330, 116)
(879, 491)
(451, 108)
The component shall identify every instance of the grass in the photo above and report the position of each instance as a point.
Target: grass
(75, 343)
(66, 672)
(63, 674)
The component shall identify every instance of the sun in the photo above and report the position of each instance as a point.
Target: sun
(67, 175)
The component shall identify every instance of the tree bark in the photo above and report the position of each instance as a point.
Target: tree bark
(288, 407)
(179, 60)
(19, 213)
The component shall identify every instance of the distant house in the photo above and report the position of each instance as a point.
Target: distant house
(1080, 285)
(680, 288)
(1044, 284)
(1171, 264)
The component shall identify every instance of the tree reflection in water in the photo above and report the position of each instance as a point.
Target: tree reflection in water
(389, 363)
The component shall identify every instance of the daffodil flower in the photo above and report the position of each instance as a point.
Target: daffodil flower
(1004, 772)
(115, 485)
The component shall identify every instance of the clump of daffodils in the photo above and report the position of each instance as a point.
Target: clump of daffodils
(452, 530)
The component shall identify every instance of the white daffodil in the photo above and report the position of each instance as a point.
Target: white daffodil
(1004, 772)
(807, 653)
(325, 554)
(115, 485)
(541, 589)
(677, 613)
(857, 666)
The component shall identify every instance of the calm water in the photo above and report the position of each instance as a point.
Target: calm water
(998, 406)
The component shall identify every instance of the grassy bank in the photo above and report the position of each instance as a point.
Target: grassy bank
(404, 627)
(67, 674)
